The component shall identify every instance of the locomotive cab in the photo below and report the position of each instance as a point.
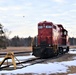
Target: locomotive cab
(51, 40)
(64, 35)
(44, 30)
(44, 40)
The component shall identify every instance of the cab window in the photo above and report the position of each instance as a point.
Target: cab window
(48, 26)
(65, 33)
(40, 27)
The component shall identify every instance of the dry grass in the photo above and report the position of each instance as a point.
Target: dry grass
(13, 49)
(74, 46)
(72, 69)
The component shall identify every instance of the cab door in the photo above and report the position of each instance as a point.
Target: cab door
(64, 36)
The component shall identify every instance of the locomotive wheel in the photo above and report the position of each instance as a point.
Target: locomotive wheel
(67, 49)
(57, 53)
(61, 50)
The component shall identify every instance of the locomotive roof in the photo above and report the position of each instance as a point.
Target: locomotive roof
(59, 25)
(45, 22)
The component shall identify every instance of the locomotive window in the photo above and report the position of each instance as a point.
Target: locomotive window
(40, 27)
(54, 27)
(48, 26)
(65, 33)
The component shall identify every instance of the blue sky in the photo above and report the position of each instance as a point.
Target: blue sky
(22, 16)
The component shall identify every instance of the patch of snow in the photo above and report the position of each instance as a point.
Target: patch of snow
(40, 68)
(24, 57)
(69, 63)
(56, 67)
(74, 58)
(20, 58)
(1, 59)
(72, 51)
(30, 54)
(72, 74)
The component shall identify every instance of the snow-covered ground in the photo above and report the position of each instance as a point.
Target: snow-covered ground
(72, 51)
(47, 68)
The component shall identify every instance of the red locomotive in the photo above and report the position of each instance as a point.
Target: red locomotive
(52, 40)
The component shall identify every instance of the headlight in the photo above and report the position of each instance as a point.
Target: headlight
(49, 45)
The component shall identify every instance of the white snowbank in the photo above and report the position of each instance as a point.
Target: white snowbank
(72, 51)
(72, 74)
(69, 63)
(40, 68)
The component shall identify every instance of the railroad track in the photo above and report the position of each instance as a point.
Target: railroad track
(31, 61)
(24, 52)
(26, 61)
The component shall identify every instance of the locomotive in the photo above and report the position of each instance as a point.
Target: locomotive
(52, 39)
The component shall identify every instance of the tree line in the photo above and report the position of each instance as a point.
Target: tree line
(72, 41)
(17, 41)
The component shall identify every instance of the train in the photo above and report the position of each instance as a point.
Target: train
(52, 40)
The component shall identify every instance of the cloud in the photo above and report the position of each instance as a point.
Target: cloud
(20, 15)
(73, 10)
(4, 8)
(23, 30)
(74, 4)
(59, 1)
(2, 0)
(15, 8)
(10, 8)
(56, 14)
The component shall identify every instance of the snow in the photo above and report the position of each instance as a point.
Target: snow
(20, 58)
(74, 58)
(40, 68)
(24, 57)
(72, 51)
(69, 63)
(56, 67)
(44, 68)
(72, 74)
(48, 68)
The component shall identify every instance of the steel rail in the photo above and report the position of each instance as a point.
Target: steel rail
(23, 52)
(26, 61)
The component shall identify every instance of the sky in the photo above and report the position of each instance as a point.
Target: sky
(20, 17)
